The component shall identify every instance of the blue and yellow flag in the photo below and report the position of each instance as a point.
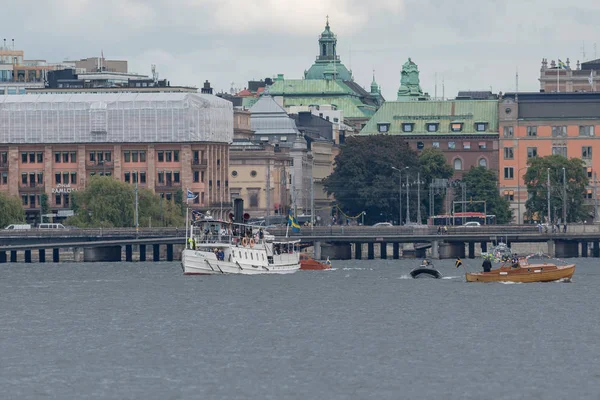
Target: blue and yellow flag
(293, 222)
(562, 65)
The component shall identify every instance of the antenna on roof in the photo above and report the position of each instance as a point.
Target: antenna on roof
(517, 81)
(443, 89)
(13, 42)
(583, 51)
(435, 88)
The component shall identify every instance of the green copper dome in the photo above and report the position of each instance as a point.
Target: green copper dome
(328, 64)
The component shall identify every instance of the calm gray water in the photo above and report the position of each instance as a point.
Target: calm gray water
(361, 331)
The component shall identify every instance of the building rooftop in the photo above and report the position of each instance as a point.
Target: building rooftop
(469, 112)
(115, 118)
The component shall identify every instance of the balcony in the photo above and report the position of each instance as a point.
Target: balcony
(99, 165)
(31, 187)
(168, 186)
(199, 164)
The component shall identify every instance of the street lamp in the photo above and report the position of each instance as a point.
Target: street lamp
(519, 194)
(564, 211)
(400, 194)
(419, 197)
(548, 196)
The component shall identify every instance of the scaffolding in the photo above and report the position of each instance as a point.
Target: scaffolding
(115, 118)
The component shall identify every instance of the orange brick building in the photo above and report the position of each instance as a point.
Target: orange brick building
(542, 124)
(53, 144)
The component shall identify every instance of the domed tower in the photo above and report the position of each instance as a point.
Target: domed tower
(328, 64)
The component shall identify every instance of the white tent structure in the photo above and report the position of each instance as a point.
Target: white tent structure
(115, 118)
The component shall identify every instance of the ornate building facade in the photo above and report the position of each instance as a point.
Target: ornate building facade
(329, 82)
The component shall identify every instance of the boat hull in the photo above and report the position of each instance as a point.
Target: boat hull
(425, 273)
(204, 263)
(313, 265)
(526, 274)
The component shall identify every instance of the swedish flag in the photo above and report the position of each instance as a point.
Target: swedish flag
(458, 262)
(293, 222)
(562, 65)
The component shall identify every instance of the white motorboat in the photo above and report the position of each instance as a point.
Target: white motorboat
(220, 247)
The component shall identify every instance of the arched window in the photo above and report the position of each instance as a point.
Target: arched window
(483, 162)
(323, 49)
(458, 164)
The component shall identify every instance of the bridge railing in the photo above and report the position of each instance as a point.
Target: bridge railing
(420, 230)
(98, 232)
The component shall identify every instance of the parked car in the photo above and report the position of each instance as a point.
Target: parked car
(381, 224)
(51, 226)
(472, 223)
(18, 226)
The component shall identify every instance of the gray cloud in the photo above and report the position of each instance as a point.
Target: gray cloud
(470, 44)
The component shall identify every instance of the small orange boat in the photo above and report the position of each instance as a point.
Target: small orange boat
(309, 263)
(525, 271)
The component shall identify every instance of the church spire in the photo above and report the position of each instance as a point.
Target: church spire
(374, 85)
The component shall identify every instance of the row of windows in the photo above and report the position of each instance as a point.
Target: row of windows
(134, 156)
(168, 156)
(168, 177)
(557, 131)
(63, 178)
(65, 157)
(586, 152)
(458, 164)
(32, 157)
(252, 174)
(32, 178)
(32, 199)
(433, 127)
(100, 156)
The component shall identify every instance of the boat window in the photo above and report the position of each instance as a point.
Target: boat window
(240, 254)
(251, 257)
(263, 257)
(246, 254)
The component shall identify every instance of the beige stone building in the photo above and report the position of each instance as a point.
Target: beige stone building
(259, 172)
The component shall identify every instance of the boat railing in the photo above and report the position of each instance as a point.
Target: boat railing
(227, 239)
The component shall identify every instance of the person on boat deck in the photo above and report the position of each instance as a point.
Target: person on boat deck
(261, 234)
(425, 262)
(515, 261)
(487, 265)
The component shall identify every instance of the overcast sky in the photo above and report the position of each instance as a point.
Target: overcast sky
(470, 44)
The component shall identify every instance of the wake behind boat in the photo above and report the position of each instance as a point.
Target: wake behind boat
(220, 247)
(425, 270)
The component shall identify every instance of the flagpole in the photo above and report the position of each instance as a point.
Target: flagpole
(187, 209)
(558, 76)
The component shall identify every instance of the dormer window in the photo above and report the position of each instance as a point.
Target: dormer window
(408, 127)
(481, 126)
(432, 126)
(383, 127)
(456, 126)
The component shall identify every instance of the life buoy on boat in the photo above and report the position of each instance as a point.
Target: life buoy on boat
(244, 242)
(251, 242)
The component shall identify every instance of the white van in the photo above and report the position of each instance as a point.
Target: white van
(51, 226)
(18, 226)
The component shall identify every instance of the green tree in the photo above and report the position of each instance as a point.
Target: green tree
(107, 202)
(11, 210)
(363, 178)
(178, 198)
(536, 179)
(433, 165)
(482, 184)
(44, 204)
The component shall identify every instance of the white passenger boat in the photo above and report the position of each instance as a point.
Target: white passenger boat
(220, 247)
